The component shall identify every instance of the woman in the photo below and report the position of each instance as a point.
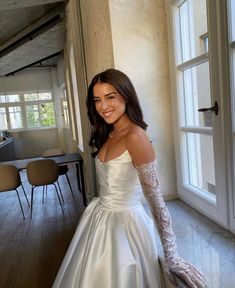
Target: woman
(115, 242)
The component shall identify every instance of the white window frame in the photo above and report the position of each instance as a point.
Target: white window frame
(201, 201)
(180, 68)
(22, 103)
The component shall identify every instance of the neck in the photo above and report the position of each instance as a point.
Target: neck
(120, 128)
(121, 122)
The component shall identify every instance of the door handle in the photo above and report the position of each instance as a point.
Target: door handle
(214, 108)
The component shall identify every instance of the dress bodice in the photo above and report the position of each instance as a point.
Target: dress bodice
(119, 185)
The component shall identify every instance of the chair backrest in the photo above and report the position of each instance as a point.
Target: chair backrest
(42, 172)
(9, 178)
(53, 152)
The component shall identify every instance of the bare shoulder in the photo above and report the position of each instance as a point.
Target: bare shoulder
(139, 146)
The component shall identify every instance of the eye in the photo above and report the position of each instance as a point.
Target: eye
(110, 97)
(96, 101)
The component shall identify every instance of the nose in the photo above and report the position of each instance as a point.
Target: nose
(104, 105)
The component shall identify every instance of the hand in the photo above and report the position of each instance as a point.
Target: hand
(181, 271)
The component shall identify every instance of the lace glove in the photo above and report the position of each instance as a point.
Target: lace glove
(177, 268)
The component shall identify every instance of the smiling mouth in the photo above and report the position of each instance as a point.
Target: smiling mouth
(107, 114)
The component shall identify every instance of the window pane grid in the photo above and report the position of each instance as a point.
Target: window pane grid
(192, 50)
(27, 110)
(15, 117)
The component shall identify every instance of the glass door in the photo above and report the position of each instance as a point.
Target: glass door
(200, 139)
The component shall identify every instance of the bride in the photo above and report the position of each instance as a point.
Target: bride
(114, 245)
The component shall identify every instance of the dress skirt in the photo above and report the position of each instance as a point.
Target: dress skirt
(112, 248)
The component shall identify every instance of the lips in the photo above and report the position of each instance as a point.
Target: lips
(107, 114)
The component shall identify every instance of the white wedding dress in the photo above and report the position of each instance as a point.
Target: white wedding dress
(114, 245)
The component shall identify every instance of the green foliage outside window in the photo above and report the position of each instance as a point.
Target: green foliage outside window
(32, 116)
(47, 115)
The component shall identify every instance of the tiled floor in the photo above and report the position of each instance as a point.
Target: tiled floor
(204, 243)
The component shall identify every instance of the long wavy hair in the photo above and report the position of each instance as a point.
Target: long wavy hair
(121, 82)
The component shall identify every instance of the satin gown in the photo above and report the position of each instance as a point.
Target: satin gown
(114, 245)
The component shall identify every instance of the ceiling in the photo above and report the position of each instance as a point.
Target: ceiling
(32, 34)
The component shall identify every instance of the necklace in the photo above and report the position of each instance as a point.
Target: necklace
(116, 132)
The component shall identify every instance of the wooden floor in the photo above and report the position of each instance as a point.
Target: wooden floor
(32, 250)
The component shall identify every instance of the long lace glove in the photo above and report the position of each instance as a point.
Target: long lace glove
(178, 269)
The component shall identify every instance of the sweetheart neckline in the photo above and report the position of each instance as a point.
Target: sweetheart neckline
(105, 162)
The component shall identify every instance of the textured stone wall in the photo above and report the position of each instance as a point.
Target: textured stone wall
(140, 47)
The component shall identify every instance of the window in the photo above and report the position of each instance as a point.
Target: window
(27, 110)
(200, 68)
(15, 116)
(193, 78)
(65, 110)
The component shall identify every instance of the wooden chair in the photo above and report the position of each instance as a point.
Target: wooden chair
(62, 170)
(42, 173)
(10, 180)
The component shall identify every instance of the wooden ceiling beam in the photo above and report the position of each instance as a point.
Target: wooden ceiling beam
(15, 4)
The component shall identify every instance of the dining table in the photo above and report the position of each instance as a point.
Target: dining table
(65, 159)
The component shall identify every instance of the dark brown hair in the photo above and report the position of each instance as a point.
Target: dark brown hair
(122, 83)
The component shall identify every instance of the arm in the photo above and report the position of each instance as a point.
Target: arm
(141, 152)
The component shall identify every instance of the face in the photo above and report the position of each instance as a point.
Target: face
(109, 103)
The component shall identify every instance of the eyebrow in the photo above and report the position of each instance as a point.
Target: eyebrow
(114, 92)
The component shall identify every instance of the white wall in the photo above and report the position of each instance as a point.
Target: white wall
(132, 36)
(31, 143)
(27, 80)
(139, 35)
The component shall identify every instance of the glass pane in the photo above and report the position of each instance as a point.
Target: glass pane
(32, 116)
(232, 17)
(31, 97)
(47, 114)
(193, 29)
(3, 118)
(201, 162)
(196, 83)
(44, 96)
(15, 117)
(65, 113)
(37, 96)
(9, 98)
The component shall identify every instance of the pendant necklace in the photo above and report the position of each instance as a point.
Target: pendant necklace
(114, 133)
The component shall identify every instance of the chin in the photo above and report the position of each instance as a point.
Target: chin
(109, 120)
